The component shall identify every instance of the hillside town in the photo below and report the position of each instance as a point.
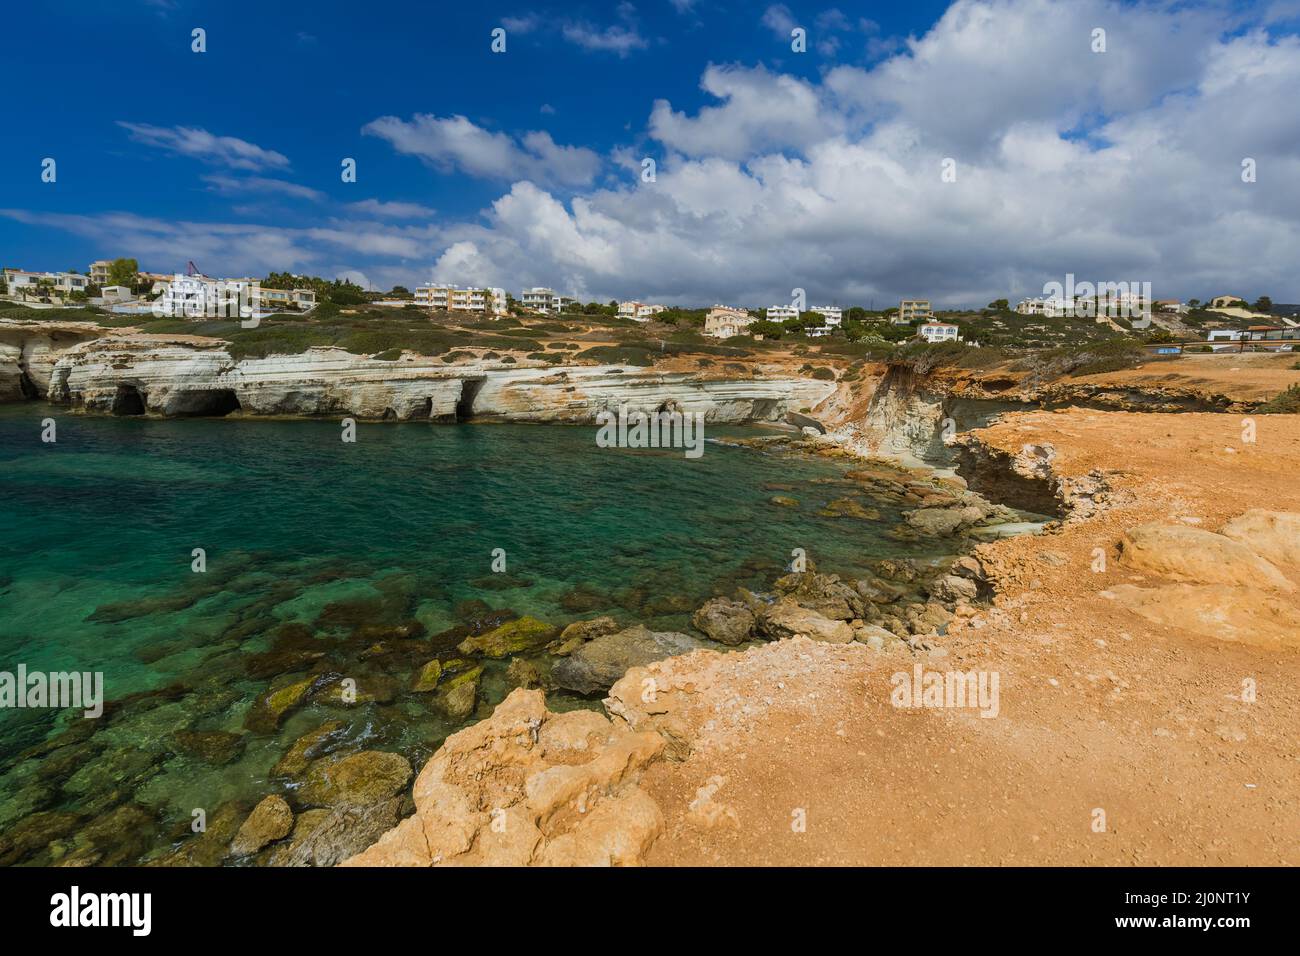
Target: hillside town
(119, 287)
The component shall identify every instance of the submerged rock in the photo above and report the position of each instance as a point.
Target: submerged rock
(374, 689)
(597, 664)
(276, 702)
(523, 635)
(310, 746)
(368, 776)
(426, 679)
(217, 747)
(523, 673)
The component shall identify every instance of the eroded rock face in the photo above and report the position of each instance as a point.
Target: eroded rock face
(180, 378)
(528, 787)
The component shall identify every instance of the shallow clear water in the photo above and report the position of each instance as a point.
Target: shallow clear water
(95, 574)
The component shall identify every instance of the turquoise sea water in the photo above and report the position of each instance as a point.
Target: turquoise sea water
(298, 526)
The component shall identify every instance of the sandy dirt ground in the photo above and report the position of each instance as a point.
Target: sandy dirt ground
(1243, 376)
(1117, 740)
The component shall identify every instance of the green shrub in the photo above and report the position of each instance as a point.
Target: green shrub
(1284, 403)
(637, 355)
(823, 374)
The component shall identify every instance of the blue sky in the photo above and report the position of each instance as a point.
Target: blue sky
(775, 169)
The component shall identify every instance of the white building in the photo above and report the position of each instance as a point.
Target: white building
(938, 332)
(1050, 307)
(541, 299)
(779, 313)
(832, 314)
(638, 311)
(455, 299)
(722, 322)
(199, 296)
(59, 283)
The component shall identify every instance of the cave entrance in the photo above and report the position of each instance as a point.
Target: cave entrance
(27, 386)
(128, 401)
(206, 402)
(469, 389)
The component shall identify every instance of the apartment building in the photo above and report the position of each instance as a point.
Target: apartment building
(909, 310)
(939, 332)
(722, 322)
(21, 281)
(780, 313)
(455, 299)
(274, 299)
(99, 271)
(639, 311)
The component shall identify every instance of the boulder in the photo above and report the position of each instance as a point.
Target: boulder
(725, 621)
(328, 837)
(873, 636)
(523, 635)
(457, 696)
(1196, 556)
(597, 664)
(953, 589)
(270, 820)
(787, 619)
(936, 522)
(1274, 535)
(579, 632)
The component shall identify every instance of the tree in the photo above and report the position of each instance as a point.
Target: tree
(769, 330)
(1000, 305)
(123, 272)
(1263, 304)
(400, 291)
